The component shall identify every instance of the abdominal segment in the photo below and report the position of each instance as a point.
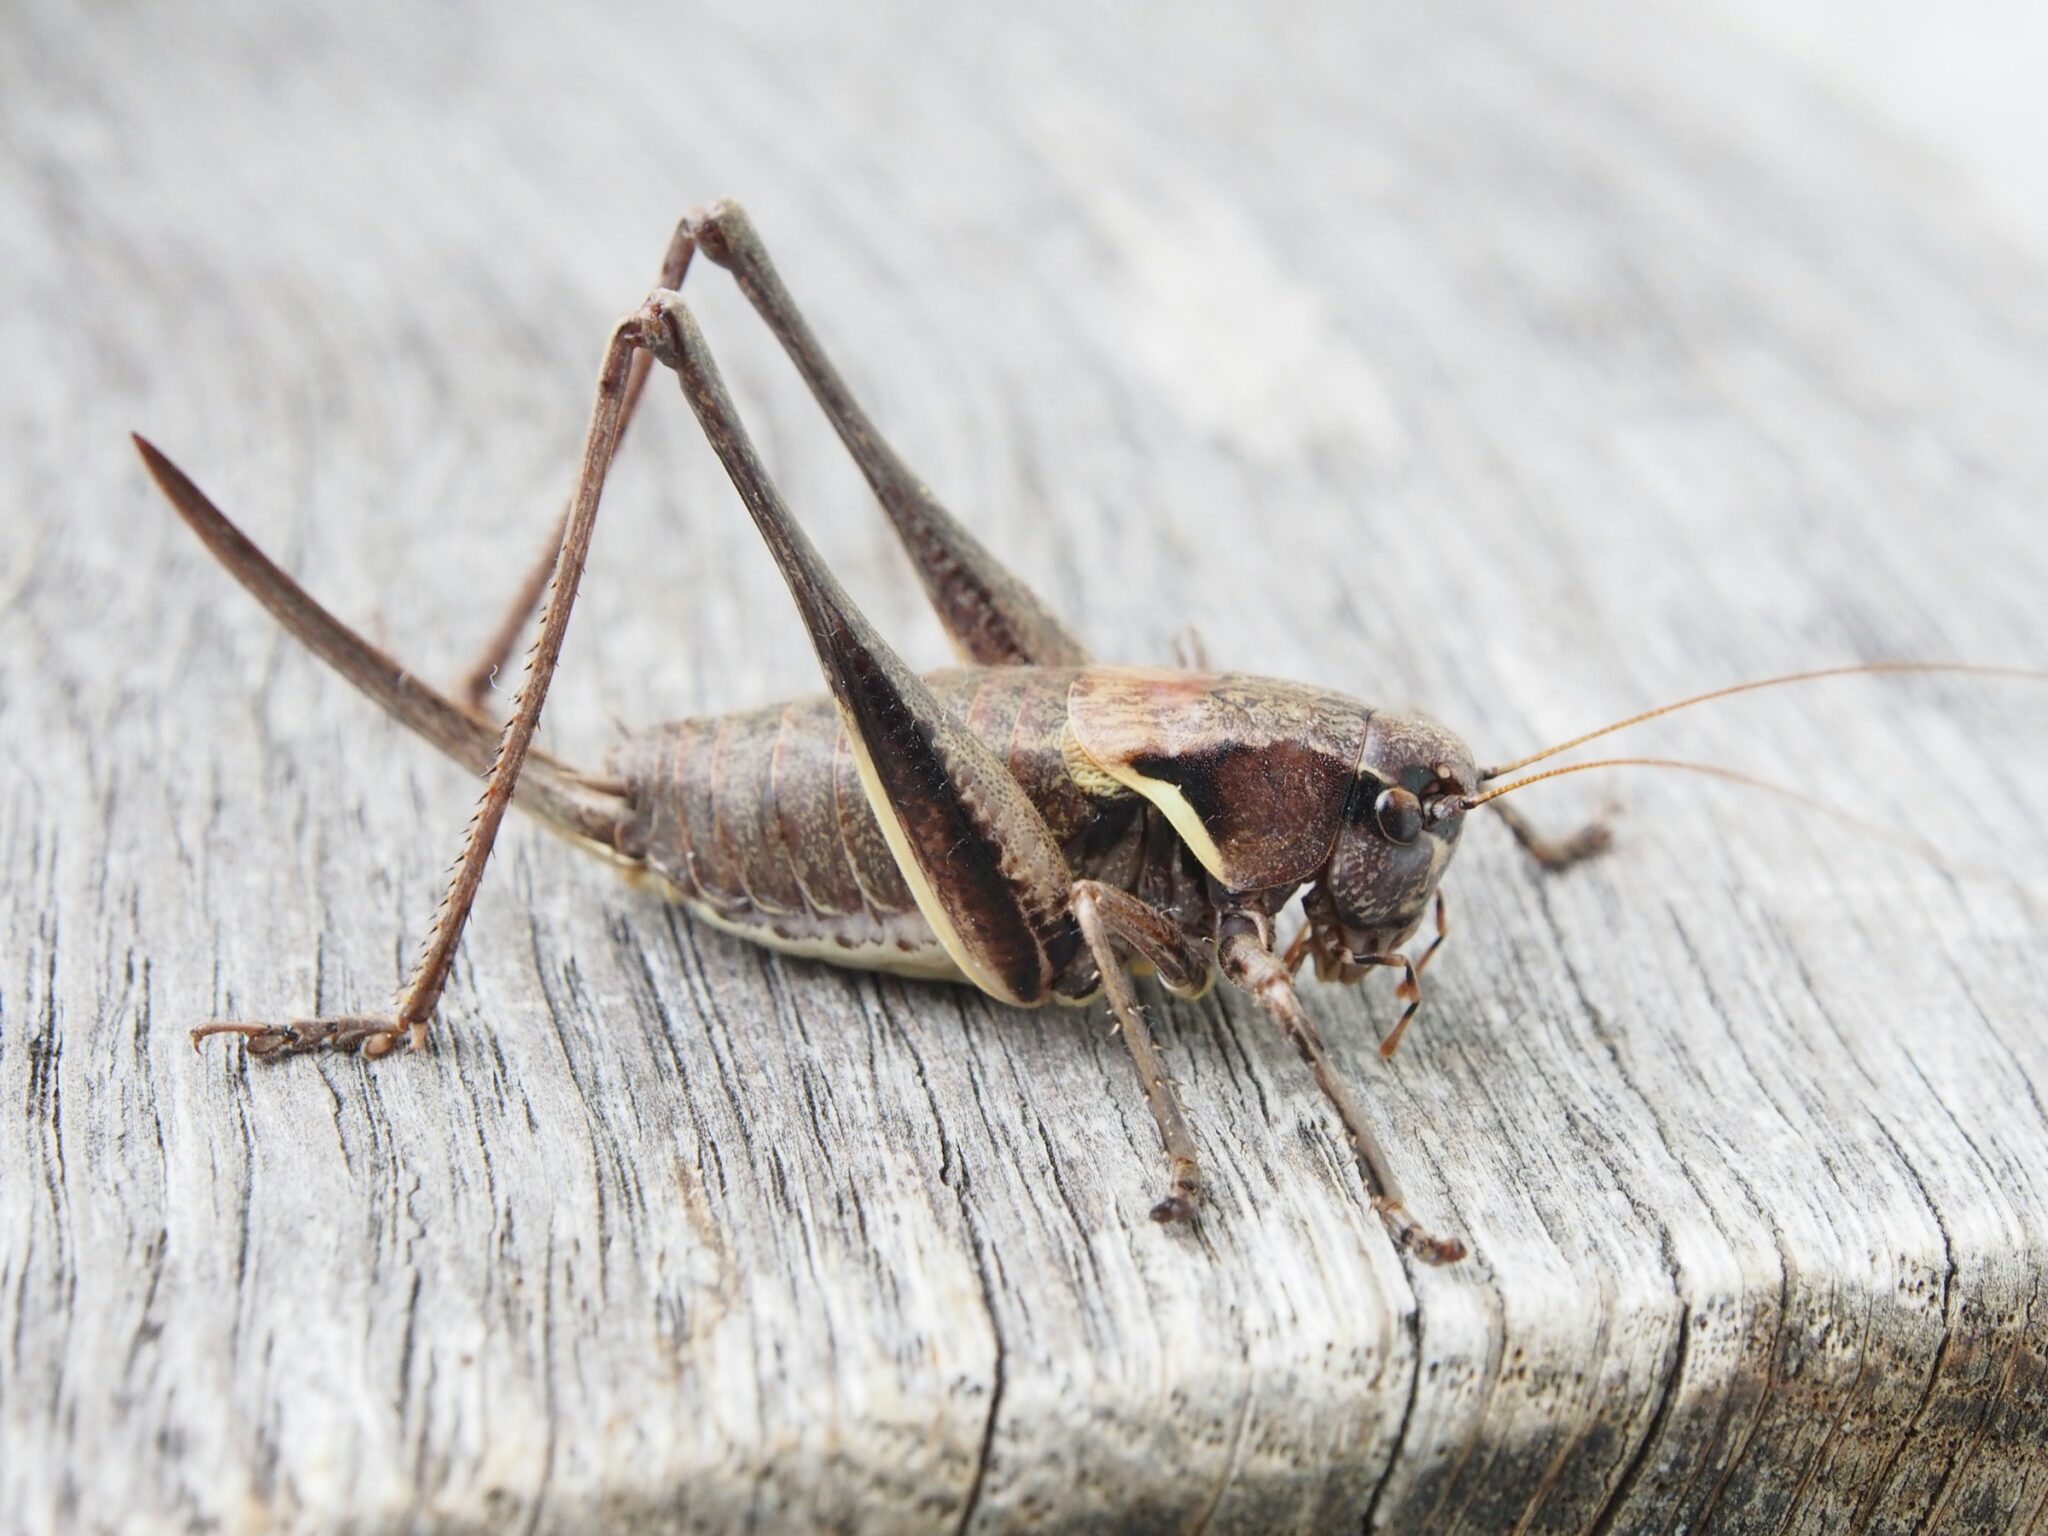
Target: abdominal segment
(757, 822)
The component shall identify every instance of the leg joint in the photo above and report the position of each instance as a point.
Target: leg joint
(716, 227)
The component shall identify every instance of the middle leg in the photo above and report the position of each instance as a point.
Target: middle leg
(1246, 953)
(1100, 912)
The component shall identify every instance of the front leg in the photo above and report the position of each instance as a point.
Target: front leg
(1101, 910)
(1245, 949)
(1410, 989)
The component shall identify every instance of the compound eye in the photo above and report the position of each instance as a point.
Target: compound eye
(1399, 814)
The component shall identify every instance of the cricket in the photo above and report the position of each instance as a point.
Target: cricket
(1031, 822)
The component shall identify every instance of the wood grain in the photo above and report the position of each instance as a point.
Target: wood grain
(1534, 367)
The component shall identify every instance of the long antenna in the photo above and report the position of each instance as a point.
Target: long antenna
(1926, 850)
(1964, 668)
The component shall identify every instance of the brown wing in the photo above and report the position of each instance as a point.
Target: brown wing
(1252, 772)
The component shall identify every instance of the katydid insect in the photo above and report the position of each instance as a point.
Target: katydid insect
(1032, 822)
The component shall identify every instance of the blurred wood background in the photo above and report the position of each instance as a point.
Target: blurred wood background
(1535, 365)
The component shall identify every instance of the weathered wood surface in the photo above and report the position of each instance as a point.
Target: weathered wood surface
(1533, 368)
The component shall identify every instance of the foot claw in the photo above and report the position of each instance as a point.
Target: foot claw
(1437, 1250)
(373, 1036)
(1590, 841)
(1174, 1208)
(1594, 837)
(1410, 1234)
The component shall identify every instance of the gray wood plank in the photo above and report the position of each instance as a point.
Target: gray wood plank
(1536, 369)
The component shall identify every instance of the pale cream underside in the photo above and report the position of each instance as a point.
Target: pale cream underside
(924, 959)
(925, 962)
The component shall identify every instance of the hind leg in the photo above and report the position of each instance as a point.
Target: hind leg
(992, 617)
(408, 1024)
(482, 674)
(986, 871)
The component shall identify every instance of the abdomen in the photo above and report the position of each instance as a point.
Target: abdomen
(758, 824)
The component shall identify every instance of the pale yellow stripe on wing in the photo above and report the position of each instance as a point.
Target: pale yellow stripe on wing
(1173, 805)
